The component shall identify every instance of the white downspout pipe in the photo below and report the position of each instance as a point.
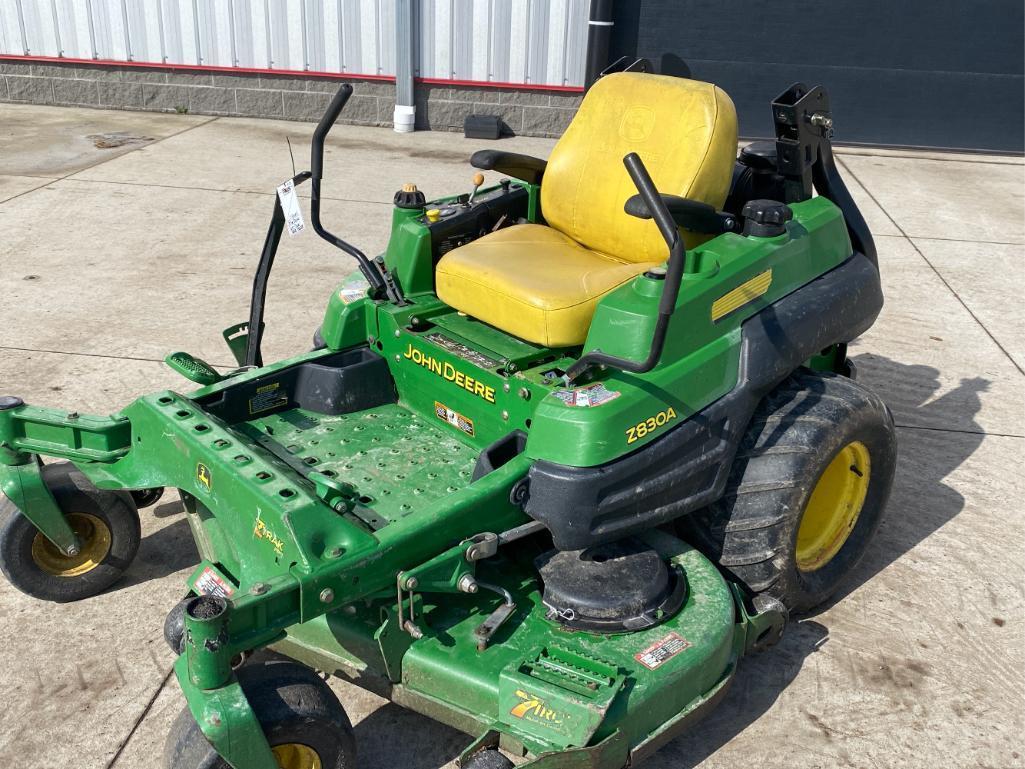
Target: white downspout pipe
(406, 31)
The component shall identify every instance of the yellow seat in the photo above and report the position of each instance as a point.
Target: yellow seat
(532, 282)
(542, 283)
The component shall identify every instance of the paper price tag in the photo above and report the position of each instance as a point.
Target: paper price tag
(290, 205)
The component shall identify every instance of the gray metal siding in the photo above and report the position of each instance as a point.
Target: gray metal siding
(530, 42)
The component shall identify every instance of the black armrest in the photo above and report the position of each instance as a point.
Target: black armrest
(524, 167)
(691, 215)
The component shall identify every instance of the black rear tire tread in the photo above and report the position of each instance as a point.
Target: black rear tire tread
(751, 530)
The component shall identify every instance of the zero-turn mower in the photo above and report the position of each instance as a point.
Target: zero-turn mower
(567, 451)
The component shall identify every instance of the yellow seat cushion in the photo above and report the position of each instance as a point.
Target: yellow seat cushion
(542, 283)
(685, 133)
(531, 281)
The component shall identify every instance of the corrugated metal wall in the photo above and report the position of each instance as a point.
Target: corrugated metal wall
(531, 42)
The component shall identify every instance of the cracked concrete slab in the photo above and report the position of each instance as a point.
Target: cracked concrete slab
(942, 155)
(952, 199)
(360, 163)
(11, 186)
(988, 278)
(54, 141)
(929, 359)
(879, 223)
(93, 280)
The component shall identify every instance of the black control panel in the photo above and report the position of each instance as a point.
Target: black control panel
(460, 221)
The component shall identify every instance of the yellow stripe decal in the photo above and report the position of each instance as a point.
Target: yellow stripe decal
(741, 295)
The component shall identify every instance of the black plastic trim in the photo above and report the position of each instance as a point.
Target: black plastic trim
(342, 383)
(687, 468)
(523, 167)
(691, 215)
(503, 450)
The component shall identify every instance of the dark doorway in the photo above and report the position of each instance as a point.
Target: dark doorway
(918, 73)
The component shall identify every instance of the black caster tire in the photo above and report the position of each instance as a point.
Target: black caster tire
(806, 492)
(318, 340)
(107, 525)
(488, 759)
(174, 626)
(147, 497)
(303, 720)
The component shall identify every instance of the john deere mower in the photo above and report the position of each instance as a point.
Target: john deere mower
(567, 451)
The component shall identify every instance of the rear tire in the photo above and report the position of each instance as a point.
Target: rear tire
(106, 522)
(298, 712)
(806, 492)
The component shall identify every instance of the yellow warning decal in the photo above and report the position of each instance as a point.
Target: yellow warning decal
(741, 295)
(269, 396)
(454, 418)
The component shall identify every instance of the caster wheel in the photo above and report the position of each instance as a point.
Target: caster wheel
(105, 522)
(488, 759)
(318, 340)
(174, 627)
(303, 720)
(147, 497)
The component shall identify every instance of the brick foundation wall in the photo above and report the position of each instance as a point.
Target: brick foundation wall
(289, 97)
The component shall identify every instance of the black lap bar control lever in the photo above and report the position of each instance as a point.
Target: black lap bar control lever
(656, 207)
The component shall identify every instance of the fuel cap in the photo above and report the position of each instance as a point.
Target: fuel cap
(409, 197)
(8, 402)
(766, 218)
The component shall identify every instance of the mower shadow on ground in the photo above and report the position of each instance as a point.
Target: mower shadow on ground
(760, 680)
(422, 742)
(164, 552)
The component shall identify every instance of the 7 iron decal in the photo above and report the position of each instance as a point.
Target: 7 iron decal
(533, 708)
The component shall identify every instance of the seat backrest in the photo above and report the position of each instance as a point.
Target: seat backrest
(685, 132)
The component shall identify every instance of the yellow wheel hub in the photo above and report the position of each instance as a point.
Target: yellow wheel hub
(93, 540)
(295, 755)
(834, 507)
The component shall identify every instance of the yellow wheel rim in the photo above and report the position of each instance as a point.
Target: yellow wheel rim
(834, 507)
(295, 755)
(94, 543)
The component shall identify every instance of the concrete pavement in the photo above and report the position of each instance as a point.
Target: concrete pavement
(111, 258)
